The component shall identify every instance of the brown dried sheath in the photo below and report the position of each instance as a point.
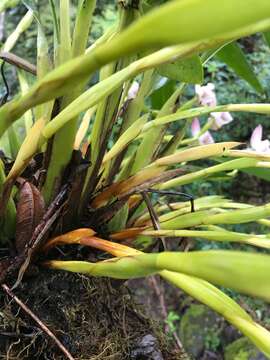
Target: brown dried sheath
(30, 211)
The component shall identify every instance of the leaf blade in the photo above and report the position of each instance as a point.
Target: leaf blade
(188, 70)
(234, 57)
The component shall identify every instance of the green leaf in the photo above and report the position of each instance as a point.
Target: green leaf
(22, 26)
(8, 222)
(235, 164)
(214, 298)
(82, 26)
(188, 70)
(119, 220)
(247, 273)
(212, 235)
(214, 217)
(261, 173)
(123, 141)
(162, 94)
(244, 272)
(234, 57)
(186, 21)
(5, 4)
(267, 37)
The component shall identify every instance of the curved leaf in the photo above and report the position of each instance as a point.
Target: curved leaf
(267, 37)
(214, 298)
(245, 272)
(234, 57)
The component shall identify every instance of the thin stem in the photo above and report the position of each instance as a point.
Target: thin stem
(153, 216)
(38, 321)
(175, 193)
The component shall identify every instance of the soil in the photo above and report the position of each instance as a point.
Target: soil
(93, 318)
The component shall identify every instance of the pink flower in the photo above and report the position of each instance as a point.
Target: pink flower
(206, 94)
(220, 119)
(195, 127)
(256, 142)
(133, 90)
(207, 97)
(206, 138)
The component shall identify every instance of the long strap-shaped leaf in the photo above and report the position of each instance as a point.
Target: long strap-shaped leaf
(106, 87)
(199, 152)
(244, 272)
(214, 298)
(209, 19)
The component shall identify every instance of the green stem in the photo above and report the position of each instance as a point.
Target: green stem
(9, 218)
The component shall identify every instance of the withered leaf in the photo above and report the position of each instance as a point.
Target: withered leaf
(30, 210)
(137, 183)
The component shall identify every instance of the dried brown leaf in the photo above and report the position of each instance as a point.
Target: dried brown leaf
(137, 183)
(127, 233)
(72, 237)
(30, 210)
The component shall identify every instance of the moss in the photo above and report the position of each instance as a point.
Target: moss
(242, 349)
(199, 330)
(94, 319)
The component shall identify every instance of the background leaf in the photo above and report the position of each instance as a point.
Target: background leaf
(262, 173)
(188, 70)
(267, 37)
(233, 56)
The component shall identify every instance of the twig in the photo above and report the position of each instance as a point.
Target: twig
(31, 249)
(164, 311)
(175, 193)
(18, 62)
(153, 216)
(156, 287)
(160, 296)
(38, 321)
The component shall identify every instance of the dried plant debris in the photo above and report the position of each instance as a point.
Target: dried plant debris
(30, 211)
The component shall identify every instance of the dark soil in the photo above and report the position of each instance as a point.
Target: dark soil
(93, 318)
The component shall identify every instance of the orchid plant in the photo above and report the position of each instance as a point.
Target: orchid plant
(89, 154)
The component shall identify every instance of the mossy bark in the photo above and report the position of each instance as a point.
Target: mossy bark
(93, 318)
(243, 349)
